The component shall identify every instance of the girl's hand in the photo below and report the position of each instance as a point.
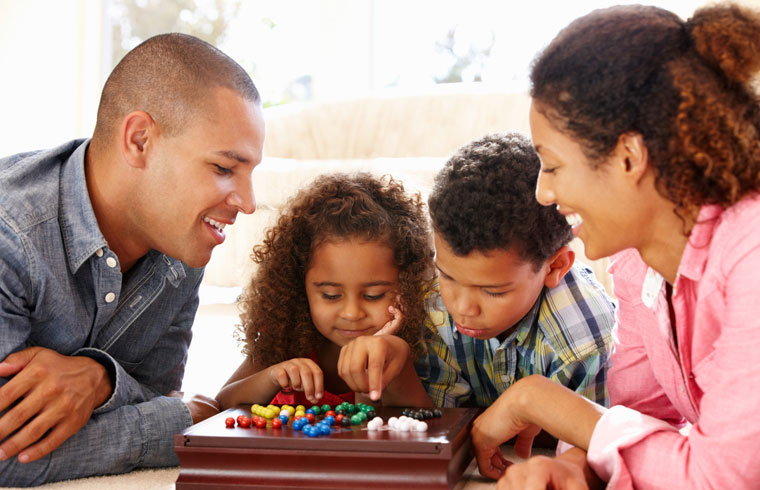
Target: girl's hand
(393, 324)
(367, 364)
(541, 472)
(299, 374)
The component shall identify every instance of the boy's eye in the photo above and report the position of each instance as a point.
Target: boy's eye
(223, 170)
(330, 297)
(495, 294)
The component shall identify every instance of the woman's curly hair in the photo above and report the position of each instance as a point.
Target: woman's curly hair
(684, 86)
(275, 318)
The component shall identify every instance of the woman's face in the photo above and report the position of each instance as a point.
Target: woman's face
(592, 200)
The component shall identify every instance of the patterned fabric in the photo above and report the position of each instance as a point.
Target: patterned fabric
(566, 337)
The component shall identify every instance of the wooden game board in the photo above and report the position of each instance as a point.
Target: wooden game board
(213, 456)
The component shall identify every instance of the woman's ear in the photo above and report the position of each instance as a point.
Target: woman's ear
(135, 131)
(558, 265)
(633, 155)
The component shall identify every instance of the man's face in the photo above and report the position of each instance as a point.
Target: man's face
(199, 179)
(486, 293)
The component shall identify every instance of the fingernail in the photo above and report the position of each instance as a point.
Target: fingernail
(23, 458)
(319, 395)
(374, 394)
(3, 457)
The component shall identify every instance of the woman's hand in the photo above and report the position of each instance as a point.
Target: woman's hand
(495, 426)
(299, 374)
(542, 472)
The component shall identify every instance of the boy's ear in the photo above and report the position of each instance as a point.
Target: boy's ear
(136, 128)
(559, 264)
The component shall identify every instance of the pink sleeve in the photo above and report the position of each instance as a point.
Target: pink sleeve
(720, 450)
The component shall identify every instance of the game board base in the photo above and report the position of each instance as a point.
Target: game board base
(261, 460)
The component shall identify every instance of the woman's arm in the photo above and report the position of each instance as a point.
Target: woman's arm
(531, 403)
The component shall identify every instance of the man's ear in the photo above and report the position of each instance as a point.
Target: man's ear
(558, 264)
(632, 155)
(136, 130)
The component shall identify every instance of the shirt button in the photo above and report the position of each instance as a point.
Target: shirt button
(110, 297)
(99, 252)
(111, 262)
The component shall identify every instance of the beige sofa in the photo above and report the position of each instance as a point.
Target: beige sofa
(408, 136)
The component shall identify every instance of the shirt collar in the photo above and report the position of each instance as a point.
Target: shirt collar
(81, 234)
(697, 248)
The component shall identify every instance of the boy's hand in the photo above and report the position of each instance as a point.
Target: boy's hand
(299, 374)
(367, 364)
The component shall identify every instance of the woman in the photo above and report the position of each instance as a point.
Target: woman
(649, 133)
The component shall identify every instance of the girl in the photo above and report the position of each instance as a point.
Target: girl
(649, 133)
(346, 255)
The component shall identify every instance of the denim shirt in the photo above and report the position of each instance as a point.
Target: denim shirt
(61, 288)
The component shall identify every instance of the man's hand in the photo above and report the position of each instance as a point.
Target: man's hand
(54, 395)
(367, 364)
(201, 406)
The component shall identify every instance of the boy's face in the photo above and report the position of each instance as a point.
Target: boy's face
(487, 293)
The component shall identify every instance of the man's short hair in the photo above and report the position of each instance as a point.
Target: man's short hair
(484, 199)
(169, 76)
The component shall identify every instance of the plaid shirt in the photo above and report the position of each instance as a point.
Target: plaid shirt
(566, 336)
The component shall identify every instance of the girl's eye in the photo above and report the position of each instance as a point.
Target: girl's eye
(223, 170)
(374, 297)
(330, 297)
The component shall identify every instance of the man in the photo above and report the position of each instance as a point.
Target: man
(102, 244)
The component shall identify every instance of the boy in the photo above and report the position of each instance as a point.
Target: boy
(512, 302)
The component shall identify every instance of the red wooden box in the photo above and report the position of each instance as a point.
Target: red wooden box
(213, 456)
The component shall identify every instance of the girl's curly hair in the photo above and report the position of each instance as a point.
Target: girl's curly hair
(275, 319)
(684, 86)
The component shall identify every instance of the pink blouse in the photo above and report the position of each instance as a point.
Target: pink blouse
(687, 415)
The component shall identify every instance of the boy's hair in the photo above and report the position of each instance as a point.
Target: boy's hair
(484, 199)
(276, 321)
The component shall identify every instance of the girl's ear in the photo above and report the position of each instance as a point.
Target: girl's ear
(558, 265)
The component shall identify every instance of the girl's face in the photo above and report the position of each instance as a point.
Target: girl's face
(594, 201)
(350, 285)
